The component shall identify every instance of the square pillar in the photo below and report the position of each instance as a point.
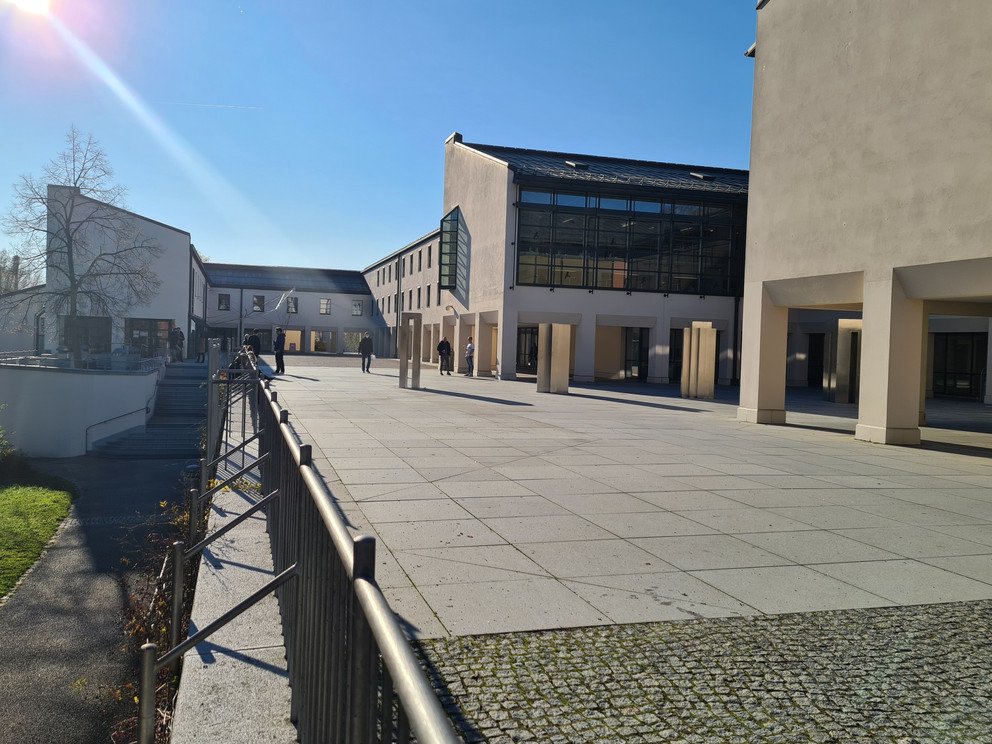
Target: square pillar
(483, 348)
(658, 353)
(411, 340)
(891, 358)
(403, 351)
(544, 358)
(585, 348)
(561, 356)
(506, 346)
(763, 366)
(435, 340)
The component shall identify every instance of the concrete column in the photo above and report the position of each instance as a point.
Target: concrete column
(585, 349)
(658, 353)
(988, 366)
(926, 370)
(544, 358)
(403, 351)
(705, 360)
(891, 357)
(843, 393)
(763, 365)
(435, 340)
(506, 345)
(561, 355)
(483, 349)
(418, 339)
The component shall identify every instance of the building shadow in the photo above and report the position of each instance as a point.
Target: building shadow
(484, 398)
(644, 403)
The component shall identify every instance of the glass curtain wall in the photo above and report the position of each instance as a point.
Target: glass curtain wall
(599, 241)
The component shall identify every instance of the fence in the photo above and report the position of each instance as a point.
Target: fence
(353, 674)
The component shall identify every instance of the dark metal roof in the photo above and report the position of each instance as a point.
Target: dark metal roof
(241, 276)
(596, 169)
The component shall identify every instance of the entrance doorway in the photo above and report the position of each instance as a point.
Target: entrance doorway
(959, 364)
(814, 360)
(527, 349)
(635, 354)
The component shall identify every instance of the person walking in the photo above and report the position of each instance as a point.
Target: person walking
(365, 349)
(444, 353)
(180, 345)
(279, 346)
(470, 357)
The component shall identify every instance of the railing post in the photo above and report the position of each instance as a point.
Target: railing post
(146, 695)
(194, 516)
(306, 456)
(204, 474)
(178, 587)
(363, 670)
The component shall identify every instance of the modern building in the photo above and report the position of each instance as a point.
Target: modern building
(871, 167)
(626, 252)
(321, 310)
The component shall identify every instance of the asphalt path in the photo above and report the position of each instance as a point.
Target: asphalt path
(61, 636)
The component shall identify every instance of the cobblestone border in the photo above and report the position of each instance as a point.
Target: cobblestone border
(903, 674)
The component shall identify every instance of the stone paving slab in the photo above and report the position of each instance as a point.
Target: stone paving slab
(897, 674)
(631, 482)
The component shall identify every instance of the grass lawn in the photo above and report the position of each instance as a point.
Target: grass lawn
(29, 516)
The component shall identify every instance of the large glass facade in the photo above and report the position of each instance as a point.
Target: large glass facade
(632, 243)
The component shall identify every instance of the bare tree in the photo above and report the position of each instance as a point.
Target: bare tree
(72, 224)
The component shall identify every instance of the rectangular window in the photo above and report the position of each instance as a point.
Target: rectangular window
(325, 305)
(418, 298)
(535, 197)
(420, 260)
(409, 299)
(438, 294)
(430, 250)
(293, 305)
(571, 200)
(411, 263)
(378, 277)
(389, 304)
(356, 307)
(223, 302)
(428, 291)
(390, 279)
(258, 303)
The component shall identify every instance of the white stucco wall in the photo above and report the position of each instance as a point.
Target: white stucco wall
(49, 410)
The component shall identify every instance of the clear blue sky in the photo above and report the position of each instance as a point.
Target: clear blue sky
(311, 132)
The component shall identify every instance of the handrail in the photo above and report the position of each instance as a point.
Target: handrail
(260, 504)
(236, 449)
(86, 434)
(224, 483)
(377, 633)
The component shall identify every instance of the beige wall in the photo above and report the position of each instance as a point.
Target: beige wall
(870, 144)
(870, 171)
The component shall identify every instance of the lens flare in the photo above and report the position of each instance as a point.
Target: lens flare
(38, 7)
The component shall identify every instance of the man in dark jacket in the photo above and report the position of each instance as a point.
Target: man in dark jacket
(365, 349)
(255, 342)
(444, 352)
(279, 346)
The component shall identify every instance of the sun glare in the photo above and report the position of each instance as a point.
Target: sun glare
(38, 7)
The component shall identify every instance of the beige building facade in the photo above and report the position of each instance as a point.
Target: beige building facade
(628, 253)
(870, 175)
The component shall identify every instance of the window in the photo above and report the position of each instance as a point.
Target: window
(258, 303)
(411, 263)
(409, 299)
(223, 302)
(389, 304)
(438, 294)
(356, 307)
(418, 298)
(325, 305)
(420, 260)
(430, 250)
(378, 277)
(390, 279)
(451, 239)
(292, 305)
(428, 292)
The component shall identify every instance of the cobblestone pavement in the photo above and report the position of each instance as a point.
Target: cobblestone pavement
(906, 675)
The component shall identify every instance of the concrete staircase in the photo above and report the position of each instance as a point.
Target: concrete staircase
(174, 429)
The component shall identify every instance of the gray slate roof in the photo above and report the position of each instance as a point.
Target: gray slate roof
(541, 164)
(241, 276)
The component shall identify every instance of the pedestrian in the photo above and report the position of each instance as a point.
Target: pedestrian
(278, 346)
(365, 349)
(201, 349)
(180, 344)
(173, 343)
(255, 342)
(470, 357)
(444, 353)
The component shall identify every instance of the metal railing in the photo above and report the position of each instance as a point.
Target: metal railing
(353, 674)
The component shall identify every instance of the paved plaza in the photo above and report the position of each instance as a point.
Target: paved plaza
(538, 548)
(498, 509)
